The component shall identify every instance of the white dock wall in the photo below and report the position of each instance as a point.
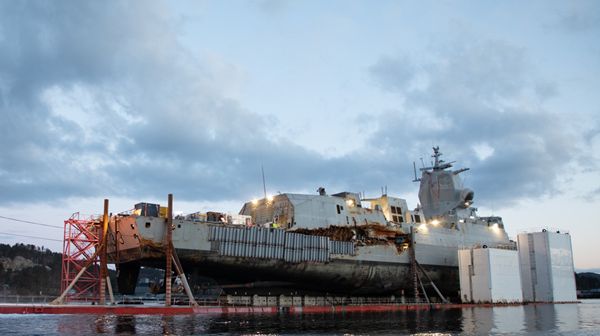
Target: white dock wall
(489, 275)
(562, 270)
(526, 257)
(481, 276)
(505, 276)
(464, 275)
(547, 267)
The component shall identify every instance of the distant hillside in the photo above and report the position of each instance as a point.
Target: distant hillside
(29, 270)
(32, 270)
(587, 281)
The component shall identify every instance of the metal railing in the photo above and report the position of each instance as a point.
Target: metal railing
(27, 298)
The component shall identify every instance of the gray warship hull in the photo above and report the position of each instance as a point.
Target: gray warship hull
(257, 260)
(347, 277)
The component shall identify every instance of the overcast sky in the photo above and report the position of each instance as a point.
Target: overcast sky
(134, 100)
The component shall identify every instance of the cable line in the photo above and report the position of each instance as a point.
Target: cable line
(33, 223)
(20, 235)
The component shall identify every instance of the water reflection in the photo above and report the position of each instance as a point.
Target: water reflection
(508, 319)
(540, 318)
(125, 324)
(577, 319)
(167, 322)
(100, 325)
(361, 323)
(552, 317)
(567, 317)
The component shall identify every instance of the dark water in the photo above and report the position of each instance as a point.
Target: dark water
(563, 319)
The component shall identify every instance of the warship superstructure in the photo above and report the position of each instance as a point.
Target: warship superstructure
(337, 243)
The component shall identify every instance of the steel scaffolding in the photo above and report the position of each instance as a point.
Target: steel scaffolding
(81, 239)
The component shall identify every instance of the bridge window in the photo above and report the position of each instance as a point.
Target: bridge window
(396, 210)
(398, 219)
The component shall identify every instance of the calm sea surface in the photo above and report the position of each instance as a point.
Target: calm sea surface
(563, 319)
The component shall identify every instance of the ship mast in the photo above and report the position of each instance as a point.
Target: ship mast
(262, 169)
(436, 155)
(440, 164)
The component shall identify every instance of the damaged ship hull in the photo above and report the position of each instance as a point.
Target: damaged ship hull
(297, 262)
(349, 277)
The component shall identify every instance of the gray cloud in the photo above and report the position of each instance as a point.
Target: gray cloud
(592, 195)
(102, 100)
(580, 16)
(480, 93)
(272, 6)
(393, 73)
